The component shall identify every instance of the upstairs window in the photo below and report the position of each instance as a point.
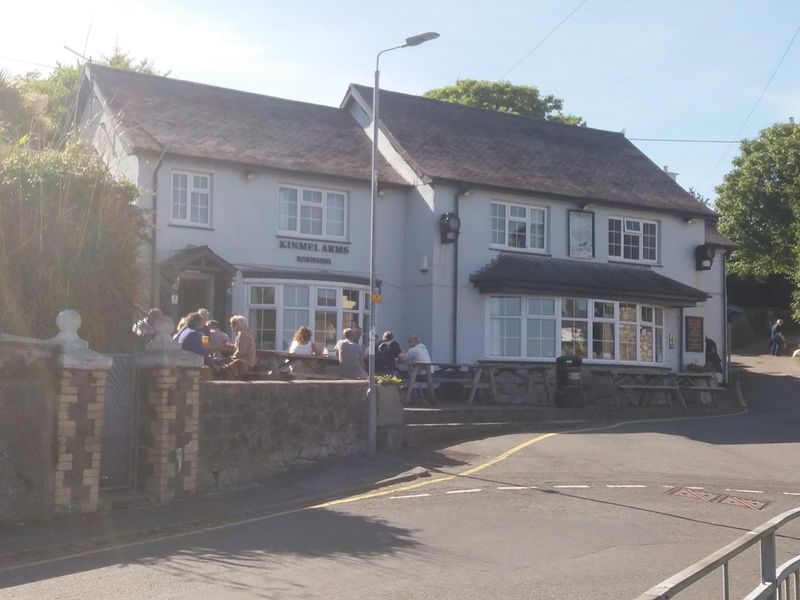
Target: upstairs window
(634, 240)
(191, 198)
(312, 212)
(519, 226)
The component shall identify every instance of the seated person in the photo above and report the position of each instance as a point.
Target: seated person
(386, 355)
(416, 353)
(302, 344)
(218, 340)
(351, 355)
(191, 338)
(243, 358)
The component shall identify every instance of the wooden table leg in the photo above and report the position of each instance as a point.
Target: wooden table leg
(431, 388)
(493, 387)
(410, 387)
(475, 382)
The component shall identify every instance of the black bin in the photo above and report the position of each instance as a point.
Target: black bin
(569, 382)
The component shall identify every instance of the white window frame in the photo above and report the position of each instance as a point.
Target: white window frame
(325, 193)
(283, 339)
(190, 188)
(529, 209)
(659, 314)
(625, 230)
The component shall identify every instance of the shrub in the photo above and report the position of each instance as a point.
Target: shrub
(69, 238)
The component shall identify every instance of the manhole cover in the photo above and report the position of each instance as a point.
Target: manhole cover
(704, 496)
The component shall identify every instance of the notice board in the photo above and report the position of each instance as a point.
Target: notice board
(695, 340)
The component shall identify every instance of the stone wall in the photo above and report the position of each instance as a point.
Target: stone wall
(252, 430)
(29, 381)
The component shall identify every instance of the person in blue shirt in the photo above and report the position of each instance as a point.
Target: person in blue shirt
(191, 338)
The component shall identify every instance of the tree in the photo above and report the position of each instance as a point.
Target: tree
(503, 96)
(759, 204)
(45, 107)
(69, 238)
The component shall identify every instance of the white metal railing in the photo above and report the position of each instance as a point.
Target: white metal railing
(777, 582)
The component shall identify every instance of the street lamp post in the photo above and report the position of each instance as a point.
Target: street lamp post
(372, 425)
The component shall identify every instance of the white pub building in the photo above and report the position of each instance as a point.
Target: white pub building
(498, 236)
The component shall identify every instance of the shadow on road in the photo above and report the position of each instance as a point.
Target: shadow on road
(220, 556)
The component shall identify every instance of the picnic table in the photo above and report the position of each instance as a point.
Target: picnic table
(704, 384)
(523, 371)
(430, 377)
(642, 382)
(274, 362)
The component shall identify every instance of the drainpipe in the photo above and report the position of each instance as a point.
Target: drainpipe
(460, 192)
(680, 341)
(154, 218)
(725, 332)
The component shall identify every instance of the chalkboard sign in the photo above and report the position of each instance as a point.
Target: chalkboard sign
(695, 340)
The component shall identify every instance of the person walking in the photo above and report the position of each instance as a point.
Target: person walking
(778, 340)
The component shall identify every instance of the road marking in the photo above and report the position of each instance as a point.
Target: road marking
(571, 487)
(693, 487)
(668, 486)
(630, 485)
(356, 498)
(408, 496)
(466, 473)
(470, 491)
(517, 487)
(791, 493)
(745, 491)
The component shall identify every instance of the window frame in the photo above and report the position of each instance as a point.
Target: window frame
(507, 219)
(283, 338)
(190, 188)
(625, 231)
(659, 336)
(323, 205)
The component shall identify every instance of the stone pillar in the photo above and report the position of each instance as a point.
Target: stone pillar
(80, 406)
(169, 427)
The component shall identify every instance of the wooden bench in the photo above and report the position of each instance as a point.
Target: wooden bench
(648, 391)
(426, 371)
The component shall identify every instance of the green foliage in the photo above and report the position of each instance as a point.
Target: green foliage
(759, 203)
(69, 237)
(388, 380)
(503, 96)
(700, 198)
(44, 108)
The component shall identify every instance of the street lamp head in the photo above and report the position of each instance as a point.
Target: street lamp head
(421, 38)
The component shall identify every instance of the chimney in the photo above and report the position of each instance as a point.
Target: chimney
(670, 173)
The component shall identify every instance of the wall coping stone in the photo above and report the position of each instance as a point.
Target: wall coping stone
(75, 352)
(163, 351)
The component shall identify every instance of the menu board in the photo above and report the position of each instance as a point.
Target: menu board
(695, 340)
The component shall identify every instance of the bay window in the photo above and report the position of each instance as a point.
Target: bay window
(519, 226)
(277, 310)
(599, 330)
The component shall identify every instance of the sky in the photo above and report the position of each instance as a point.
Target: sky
(653, 68)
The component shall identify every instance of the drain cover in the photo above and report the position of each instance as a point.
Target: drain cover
(704, 496)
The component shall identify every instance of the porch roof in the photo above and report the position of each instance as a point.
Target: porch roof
(524, 274)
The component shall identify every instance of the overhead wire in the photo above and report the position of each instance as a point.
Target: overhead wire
(755, 105)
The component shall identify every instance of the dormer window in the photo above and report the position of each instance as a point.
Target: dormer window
(634, 240)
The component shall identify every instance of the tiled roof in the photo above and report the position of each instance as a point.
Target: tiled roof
(204, 121)
(715, 238)
(451, 142)
(522, 274)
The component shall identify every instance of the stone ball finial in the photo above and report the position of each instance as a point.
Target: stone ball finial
(164, 326)
(68, 322)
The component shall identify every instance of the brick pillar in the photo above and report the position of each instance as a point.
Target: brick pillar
(171, 380)
(80, 406)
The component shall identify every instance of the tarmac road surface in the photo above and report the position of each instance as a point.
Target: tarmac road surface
(603, 513)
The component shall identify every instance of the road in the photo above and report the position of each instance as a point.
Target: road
(586, 514)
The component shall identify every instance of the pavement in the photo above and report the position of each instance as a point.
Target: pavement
(337, 478)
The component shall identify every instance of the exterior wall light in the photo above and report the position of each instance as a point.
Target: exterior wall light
(704, 257)
(449, 227)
